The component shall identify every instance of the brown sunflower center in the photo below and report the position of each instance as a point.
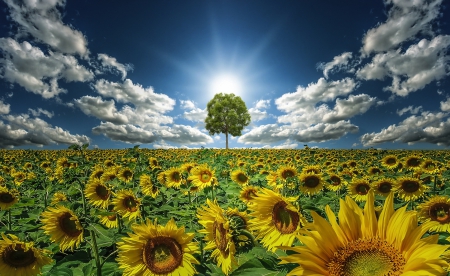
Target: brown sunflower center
(127, 174)
(176, 176)
(375, 170)
(362, 188)
(6, 197)
(102, 192)
(285, 220)
(336, 181)
(242, 177)
(372, 257)
(413, 162)
(287, 173)
(440, 212)
(98, 174)
(410, 186)
(220, 237)
(68, 225)
(384, 187)
(205, 176)
(391, 161)
(130, 204)
(162, 255)
(17, 256)
(312, 181)
(112, 217)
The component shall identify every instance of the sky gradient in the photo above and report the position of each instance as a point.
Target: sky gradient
(329, 74)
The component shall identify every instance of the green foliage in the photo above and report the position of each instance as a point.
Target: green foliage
(228, 114)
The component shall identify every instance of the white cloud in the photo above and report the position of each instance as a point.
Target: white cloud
(256, 113)
(29, 67)
(23, 130)
(42, 20)
(196, 115)
(345, 109)
(421, 64)
(217, 137)
(405, 20)
(40, 111)
(427, 128)
(338, 63)
(445, 106)
(111, 64)
(103, 110)
(187, 104)
(4, 108)
(262, 104)
(411, 109)
(322, 91)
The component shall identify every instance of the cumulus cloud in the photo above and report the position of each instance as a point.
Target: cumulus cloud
(338, 63)
(445, 106)
(111, 64)
(187, 104)
(4, 108)
(42, 20)
(103, 110)
(29, 67)
(427, 127)
(257, 113)
(412, 70)
(405, 20)
(23, 130)
(347, 108)
(411, 109)
(40, 111)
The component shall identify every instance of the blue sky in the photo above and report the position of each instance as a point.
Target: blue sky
(329, 74)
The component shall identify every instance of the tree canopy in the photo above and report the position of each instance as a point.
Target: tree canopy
(228, 114)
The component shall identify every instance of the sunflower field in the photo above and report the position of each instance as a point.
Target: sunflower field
(224, 212)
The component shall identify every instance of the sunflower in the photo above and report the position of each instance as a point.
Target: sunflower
(188, 166)
(310, 183)
(58, 197)
(390, 162)
(109, 175)
(243, 240)
(154, 249)
(239, 177)
(248, 194)
(361, 244)
(97, 193)
(275, 220)
(410, 188)
(63, 227)
(272, 180)
(19, 177)
(126, 175)
(384, 186)
(431, 166)
(97, 173)
(8, 198)
(21, 258)
(147, 186)
(359, 189)
(126, 204)
(174, 177)
(436, 208)
(413, 162)
(335, 182)
(110, 221)
(218, 235)
(286, 172)
(202, 176)
(311, 169)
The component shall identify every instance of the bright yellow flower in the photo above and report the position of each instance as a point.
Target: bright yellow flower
(239, 177)
(436, 208)
(202, 176)
(310, 183)
(8, 198)
(97, 193)
(126, 204)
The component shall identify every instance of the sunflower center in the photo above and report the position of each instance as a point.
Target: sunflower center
(112, 217)
(176, 176)
(375, 170)
(130, 204)
(220, 237)
(410, 186)
(162, 255)
(385, 187)
(287, 173)
(17, 257)
(413, 162)
(69, 225)
(127, 174)
(6, 197)
(440, 212)
(362, 189)
(362, 257)
(285, 220)
(102, 192)
(311, 181)
(242, 177)
(391, 161)
(336, 180)
(205, 176)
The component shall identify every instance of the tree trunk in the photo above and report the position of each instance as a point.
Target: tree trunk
(226, 139)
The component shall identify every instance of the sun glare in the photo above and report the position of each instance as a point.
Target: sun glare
(226, 84)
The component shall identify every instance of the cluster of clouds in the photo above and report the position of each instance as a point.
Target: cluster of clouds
(131, 113)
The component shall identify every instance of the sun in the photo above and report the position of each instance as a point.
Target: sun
(226, 83)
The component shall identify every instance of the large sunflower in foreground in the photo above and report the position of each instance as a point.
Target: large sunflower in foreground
(362, 245)
(436, 208)
(218, 235)
(21, 258)
(63, 227)
(154, 249)
(127, 204)
(275, 220)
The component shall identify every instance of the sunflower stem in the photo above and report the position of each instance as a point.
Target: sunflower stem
(249, 235)
(96, 256)
(9, 219)
(119, 223)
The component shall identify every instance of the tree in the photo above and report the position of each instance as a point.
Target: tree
(228, 114)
